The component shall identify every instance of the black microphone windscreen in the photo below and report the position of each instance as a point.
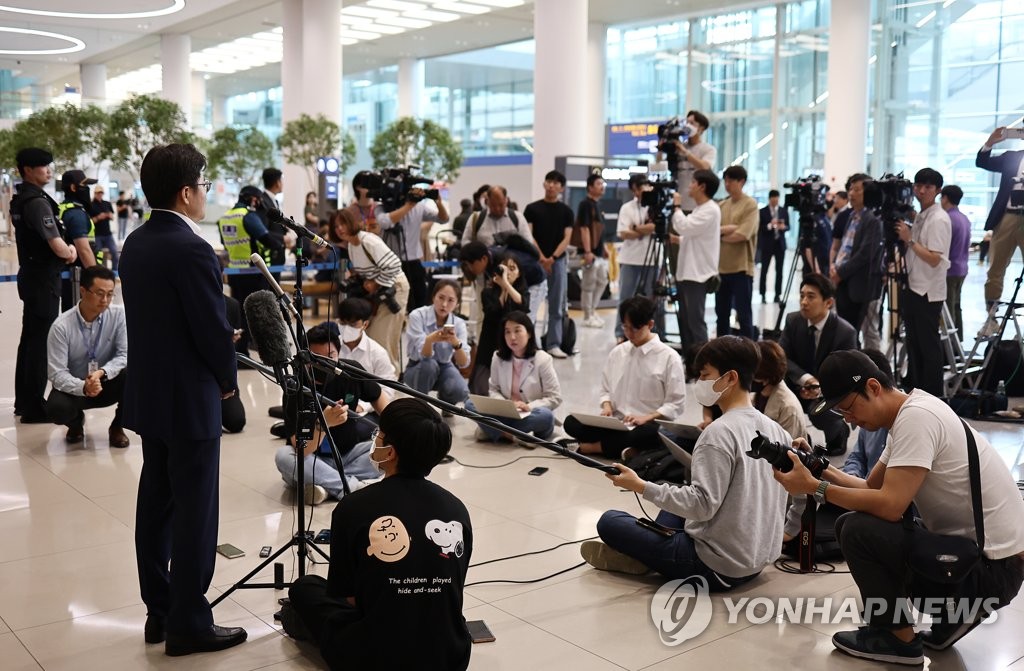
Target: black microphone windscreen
(267, 327)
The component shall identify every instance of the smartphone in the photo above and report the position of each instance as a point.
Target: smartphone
(265, 551)
(324, 537)
(1013, 133)
(539, 470)
(229, 551)
(655, 527)
(479, 631)
(448, 329)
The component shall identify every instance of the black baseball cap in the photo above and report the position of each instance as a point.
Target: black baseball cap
(33, 157)
(841, 374)
(76, 177)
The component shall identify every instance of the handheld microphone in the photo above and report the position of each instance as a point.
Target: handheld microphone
(278, 217)
(268, 331)
(258, 261)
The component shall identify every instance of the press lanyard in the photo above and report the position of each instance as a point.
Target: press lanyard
(90, 350)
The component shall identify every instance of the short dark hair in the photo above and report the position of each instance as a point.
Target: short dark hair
(555, 176)
(639, 309)
(772, 367)
(419, 435)
(774, 193)
(953, 193)
(354, 308)
(928, 177)
(853, 179)
(821, 283)
(93, 273)
(731, 352)
(518, 317)
(465, 203)
(323, 333)
(699, 117)
(361, 180)
(271, 176)
(638, 179)
(735, 172)
(708, 180)
(843, 195)
(593, 177)
(166, 170)
(473, 251)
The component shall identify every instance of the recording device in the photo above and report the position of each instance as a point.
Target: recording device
(479, 632)
(891, 197)
(230, 551)
(1013, 133)
(777, 455)
(323, 538)
(660, 201)
(277, 217)
(448, 329)
(258, 261)
(268, 331)
(385, 296)
(393, 186)
(670, 131)
(809, 197)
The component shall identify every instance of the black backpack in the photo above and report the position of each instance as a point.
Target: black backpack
(659, 466)
(568, 336)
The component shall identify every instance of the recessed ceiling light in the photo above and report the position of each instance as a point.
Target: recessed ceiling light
(76, 44)
(359, 34)
(427, 15)
(176, 6)
(404, 22)
(359, 10)
(464, 7)
(387, 30)
(398, 5)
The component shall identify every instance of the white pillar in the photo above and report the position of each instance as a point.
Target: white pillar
(411, 78)
(94, 83)
(846, 123)
(596, 72)
(177, 73)
(219, 112)
(199, 119)
(559, 102)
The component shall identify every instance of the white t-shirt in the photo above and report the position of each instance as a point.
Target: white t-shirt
(704, 152)
(932, 229)
(928, 434)
(425, 210)
(633, 252)
(699, 242)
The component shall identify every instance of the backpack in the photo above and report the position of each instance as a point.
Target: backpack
(659, 466)
(478, 220)
(568, 336)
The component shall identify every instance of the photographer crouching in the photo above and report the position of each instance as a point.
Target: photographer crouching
(931, 460)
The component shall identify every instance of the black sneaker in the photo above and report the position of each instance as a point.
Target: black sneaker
(942, 635)
(879, 645)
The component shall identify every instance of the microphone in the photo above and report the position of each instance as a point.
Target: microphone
(258, 261)
(278, 217)
(268, 331)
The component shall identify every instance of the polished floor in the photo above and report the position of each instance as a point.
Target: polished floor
(69, 597)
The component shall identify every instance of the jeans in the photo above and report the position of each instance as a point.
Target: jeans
(538, 294)
(629, 286)
(426, 375)
(540, 422)
(592, 285)
(736, 292)
(322, 470)
(557, 285)
(871, 336)
(674, 557)
(107, 242)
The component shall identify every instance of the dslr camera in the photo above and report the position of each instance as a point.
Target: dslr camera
(777, 455)
(394, 186)
(353, 288)
(891, 197)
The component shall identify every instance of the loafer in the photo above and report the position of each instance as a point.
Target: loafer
(117, 437)
(75, 434)
(155, 632)
(215, 638)
(278, 430)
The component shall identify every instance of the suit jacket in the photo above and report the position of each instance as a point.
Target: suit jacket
(862, 270)
(766, 239)
(1007, 165)
(801, 356)
(180, 355)
(276, 230)
(538, 383)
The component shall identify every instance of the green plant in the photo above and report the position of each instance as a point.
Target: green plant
(307, 138)
(238, 153)
(426, 144)
(137, 125)
(72, 134)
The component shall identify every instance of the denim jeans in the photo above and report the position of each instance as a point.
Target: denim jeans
(426, 375)
(538, 294)
(557, 284)
(321, 470)
(540, 422)
(107, 242)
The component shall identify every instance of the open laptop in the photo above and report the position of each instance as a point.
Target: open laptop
(602, 422)
(681, 455)
(683, 431)
(499, 407)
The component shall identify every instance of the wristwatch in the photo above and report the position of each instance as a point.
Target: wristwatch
(457, 348)
(819, 493)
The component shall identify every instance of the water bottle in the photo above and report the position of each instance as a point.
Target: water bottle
(1001, 388)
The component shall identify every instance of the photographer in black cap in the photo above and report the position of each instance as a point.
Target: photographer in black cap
(42, 255)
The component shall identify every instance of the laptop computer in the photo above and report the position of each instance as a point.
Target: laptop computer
(681, 455)
(602, 422)
(683, 431)
(499, 407)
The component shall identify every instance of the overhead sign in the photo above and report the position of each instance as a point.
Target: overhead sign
(629, 139)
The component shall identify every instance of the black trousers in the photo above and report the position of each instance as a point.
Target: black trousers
(643, 437)
(417, 276)
(691, 301)
(875, 551)
(40, 294)
(232, 414)
(776, 252)
(69, 410)
(176, 529)
(924, 346)
(241, 287)
(849, 309)
(323, 616)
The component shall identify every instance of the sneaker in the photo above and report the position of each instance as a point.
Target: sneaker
(314, 495)
(604, 558)
(879, 645)
(570, 444)
(557, 353)
(990, 329)
(597, 322)
(628, 454)
(943, 635)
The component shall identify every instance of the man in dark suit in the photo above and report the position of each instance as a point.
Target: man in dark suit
(809, 336)
(771, 241)
(272, 185)
(181, 366)
(857, 269)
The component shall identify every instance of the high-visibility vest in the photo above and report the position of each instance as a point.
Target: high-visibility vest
(237, 241)
(70, 205)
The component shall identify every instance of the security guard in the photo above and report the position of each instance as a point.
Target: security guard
(242, 233)
(42, 255)
(78, 228)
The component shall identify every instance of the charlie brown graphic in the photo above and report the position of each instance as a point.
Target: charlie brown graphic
(389, 540)
(447, 536)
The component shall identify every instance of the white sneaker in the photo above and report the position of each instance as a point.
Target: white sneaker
(314, 495)
(593, 322)
(990, 329)
(557, 353)
(480, 435)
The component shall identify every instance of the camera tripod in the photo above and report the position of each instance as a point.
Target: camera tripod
(655, 279)
(804, 250)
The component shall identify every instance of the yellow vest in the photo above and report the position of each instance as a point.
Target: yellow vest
(236, 239)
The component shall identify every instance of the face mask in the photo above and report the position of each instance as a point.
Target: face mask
(704, 392)
(376, 464)
(350, 333)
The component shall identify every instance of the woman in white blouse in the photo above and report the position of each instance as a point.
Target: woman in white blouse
(525, 375)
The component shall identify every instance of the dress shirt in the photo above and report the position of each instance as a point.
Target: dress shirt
(67, 348)
(422, 322)
(645, 379)
(191, 224)
(371, 356)
(932, 229)
(699, 242)
(633, 252)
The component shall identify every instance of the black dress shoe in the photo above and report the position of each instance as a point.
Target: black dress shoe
(279, 430)
(216, 638)
(35, 418)
(155, 629)
(276, 411)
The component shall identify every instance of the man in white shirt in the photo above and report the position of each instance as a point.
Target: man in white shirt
(699, 243)
(927, 259)
(925, 462)
(355, 315)
(639, 254)
(401, 229)
(642, 381)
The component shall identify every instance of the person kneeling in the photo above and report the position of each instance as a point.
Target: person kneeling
(526, 376)
(725, 525)
(399, 555)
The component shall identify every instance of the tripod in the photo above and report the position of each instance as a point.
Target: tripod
(805, 246)
(656, 274)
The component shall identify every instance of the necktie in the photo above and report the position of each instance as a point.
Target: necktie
(812, 331)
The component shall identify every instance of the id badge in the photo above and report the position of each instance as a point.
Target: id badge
(93, 366)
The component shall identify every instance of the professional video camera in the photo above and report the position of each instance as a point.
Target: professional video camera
(807, 195)
(670, 131)
(892, 198)
(393, 186)
(777, 455)
(660, 201)
(354, 288)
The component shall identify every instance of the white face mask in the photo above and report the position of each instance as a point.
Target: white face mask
(350, 333)
(376, 464)
(704, 392)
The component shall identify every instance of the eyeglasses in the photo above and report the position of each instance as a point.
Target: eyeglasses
(848, 409)
(206, 185)
(102, 295)
(373, 436)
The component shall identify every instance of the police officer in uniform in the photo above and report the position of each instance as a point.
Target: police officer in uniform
(42, 255)
(242, 233)
(78, 228)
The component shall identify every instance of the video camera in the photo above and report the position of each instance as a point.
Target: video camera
(777, 455)
(660, 201)
(670, 131)
(807, 195)
(393, 186)
(892, 198)
(353, 288)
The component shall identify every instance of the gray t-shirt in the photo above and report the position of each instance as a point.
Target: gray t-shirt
(703, 151)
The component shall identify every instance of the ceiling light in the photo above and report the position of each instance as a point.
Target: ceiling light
(358, 34)
(387, 30)
(360, 10)
(404, 22)
(176, 6)
(500, 3)
(463, 7)
(347, 42)
(76, 44)
(398, 5)
(428, 15)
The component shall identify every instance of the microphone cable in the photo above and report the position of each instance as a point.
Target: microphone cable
(529, 554)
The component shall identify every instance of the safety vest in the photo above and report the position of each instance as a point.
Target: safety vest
(68, 205)
(237, 241)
